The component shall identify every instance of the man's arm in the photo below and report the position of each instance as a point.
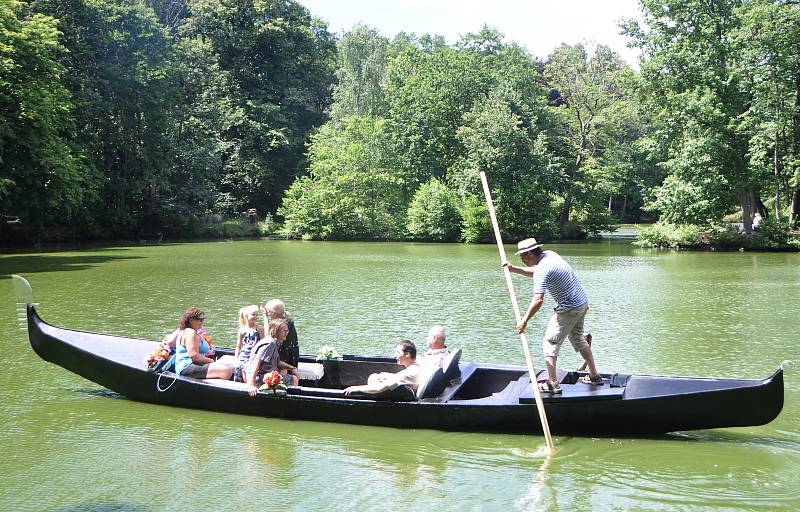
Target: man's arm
(536, 303)
(372, 389)
(523, 271)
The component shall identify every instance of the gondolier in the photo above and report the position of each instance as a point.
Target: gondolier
(554, 275)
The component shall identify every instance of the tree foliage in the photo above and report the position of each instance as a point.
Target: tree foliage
(126, 118)
(433, 214)
(40, 179)
(351, 191)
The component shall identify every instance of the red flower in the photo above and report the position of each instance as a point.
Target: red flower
(272, 379)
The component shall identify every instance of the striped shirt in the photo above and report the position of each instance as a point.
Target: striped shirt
(555, 275)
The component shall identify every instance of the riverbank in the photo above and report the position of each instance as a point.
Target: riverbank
(20, 239)
(772, 236)
(664, 236)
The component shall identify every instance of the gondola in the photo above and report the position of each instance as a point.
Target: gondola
(459, 396)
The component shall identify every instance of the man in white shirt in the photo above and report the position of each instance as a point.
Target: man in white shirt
(437, 350)
(406, 355)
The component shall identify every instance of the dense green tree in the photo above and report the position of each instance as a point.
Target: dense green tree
(433, 214)
(353, 190)
(589, 94)
(40, 177)
(429, 87)
(279, 65)
(500, 137)
(362, 57)
(770, 38)
(694, 82)
(117, 66)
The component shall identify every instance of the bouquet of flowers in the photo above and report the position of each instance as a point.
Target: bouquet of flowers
(273, 383)
(327, 352)
(156, 356)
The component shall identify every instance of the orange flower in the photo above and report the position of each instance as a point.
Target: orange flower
(272, 379)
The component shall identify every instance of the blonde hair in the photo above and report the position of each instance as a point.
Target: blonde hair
(243, 312)
(274, 325)
(278, 308)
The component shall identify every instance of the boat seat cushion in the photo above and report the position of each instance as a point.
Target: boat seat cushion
(310, 371)
(450, 365)
(432, 383)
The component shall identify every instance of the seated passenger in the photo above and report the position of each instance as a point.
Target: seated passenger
(264, 358)
(171, 339)
(406, 355)
(190, 348)
(249, 334)
(437, 350)
(289, 350)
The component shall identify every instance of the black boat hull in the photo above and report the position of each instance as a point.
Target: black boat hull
(645, 405)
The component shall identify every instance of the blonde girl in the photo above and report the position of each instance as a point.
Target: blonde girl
(249, 334)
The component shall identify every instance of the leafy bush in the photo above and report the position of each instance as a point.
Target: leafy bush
(354, 190)
(681, 202)
(267, 226)
(234, 228)
(773, 235)
(476, 225)
(434, 213)
(662, 234)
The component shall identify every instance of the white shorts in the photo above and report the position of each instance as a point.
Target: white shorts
(565, 323)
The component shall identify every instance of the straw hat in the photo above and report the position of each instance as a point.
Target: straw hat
(526, 245)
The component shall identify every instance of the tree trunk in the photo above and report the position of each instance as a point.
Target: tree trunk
(776, 167)
(758, 205)
(609, 203)
(747, 214)
(563, 217)
(794, 211)
(624, 208)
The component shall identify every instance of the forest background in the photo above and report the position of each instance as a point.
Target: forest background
(143, 119)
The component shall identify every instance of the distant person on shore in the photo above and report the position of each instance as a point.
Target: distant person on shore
(437, 350)
(554, 275)
(757, 220)
(406, 355)
(190, 350)
(249, 334)
(264, 358)
(290, 349)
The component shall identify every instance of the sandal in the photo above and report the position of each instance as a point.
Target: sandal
(549, 387)
(592, 381)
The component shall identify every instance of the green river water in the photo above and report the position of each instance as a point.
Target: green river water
(70, 445)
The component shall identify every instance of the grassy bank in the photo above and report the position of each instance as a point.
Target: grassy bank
(772, 236)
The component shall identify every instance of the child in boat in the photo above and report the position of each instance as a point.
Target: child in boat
(249, 334)
(264, 358)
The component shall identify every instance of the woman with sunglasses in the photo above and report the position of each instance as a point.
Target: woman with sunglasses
(190, 360)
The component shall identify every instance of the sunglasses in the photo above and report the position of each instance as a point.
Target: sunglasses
(201, 319)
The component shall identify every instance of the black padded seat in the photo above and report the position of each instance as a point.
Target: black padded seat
(432, 383)
(436, 379)
(450, 364)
